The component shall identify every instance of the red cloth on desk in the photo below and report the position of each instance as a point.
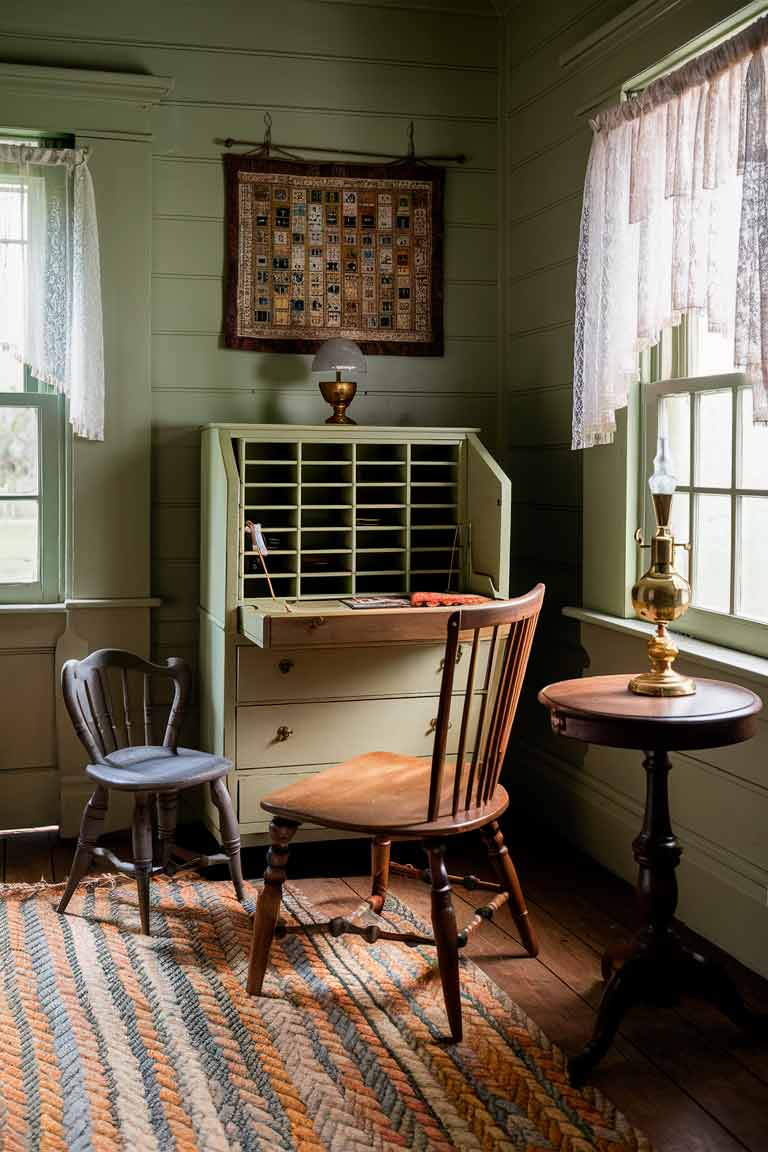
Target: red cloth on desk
(443, 599)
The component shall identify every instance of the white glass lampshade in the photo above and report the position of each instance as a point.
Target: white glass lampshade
(339, 355)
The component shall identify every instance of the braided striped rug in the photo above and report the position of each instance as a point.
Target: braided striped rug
(111, 1040)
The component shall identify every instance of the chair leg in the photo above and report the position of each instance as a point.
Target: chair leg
(379, 873)
(501, 861)
(446, 938)
(141, 834)
(167, 810)
(281, 832)
(91, 826)
(230, 833)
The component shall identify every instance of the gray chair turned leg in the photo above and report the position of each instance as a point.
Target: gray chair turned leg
(142, 855)
(167, 809)
(230, 833)
(91, 827)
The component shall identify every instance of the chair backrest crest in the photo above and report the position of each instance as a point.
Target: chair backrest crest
(105, 711)
(477, 769)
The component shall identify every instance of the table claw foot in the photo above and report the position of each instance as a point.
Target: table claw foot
(711, 982)
(621, 992)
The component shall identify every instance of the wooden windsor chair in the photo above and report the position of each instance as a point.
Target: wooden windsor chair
(154, 773)
(389, 797)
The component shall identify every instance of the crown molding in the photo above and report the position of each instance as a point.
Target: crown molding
(85, 84)
(613, 33)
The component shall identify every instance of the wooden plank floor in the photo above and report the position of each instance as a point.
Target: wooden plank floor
(685, 1076)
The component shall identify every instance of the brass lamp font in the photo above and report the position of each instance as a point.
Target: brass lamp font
(339, 356)
(662, 595)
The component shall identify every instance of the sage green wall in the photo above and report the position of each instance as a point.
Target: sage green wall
(562, 62)
(347, 74)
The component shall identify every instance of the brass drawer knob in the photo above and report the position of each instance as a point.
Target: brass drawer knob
(459, 654)
(283, 732)
(433, 724)
(285, 666)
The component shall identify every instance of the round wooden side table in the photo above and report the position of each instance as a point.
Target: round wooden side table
(657, 966)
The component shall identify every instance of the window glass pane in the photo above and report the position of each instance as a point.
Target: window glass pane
(753, 557)
(11, 373)
(712, 544)
(18, 451)
(753, 455)
(13, 211)
(676, 417)
(680, 527)
(19, 563)
(713, 439)
(714, 352)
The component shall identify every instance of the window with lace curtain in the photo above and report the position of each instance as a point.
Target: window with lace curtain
(672, 291)
(32, 441)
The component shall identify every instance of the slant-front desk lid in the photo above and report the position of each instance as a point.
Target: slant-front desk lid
(278, 624)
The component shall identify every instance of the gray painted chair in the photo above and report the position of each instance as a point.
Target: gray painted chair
(154, 773)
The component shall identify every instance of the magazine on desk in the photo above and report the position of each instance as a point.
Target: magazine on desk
(376, 602)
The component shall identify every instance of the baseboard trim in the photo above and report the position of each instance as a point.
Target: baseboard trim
(716, 899)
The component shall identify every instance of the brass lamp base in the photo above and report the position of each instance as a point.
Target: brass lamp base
(339, 394)
(662, 680)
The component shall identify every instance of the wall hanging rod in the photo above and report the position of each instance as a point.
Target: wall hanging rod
(265, 147)
(456, 158)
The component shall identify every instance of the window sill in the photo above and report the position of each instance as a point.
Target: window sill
(69, 605)
(722, 661)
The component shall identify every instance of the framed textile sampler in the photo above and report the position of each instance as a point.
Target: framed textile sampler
(322, 250)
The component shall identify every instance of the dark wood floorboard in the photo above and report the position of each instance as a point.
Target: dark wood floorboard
(685, 1076)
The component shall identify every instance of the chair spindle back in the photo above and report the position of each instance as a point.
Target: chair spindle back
(102, 706)
(479, 760)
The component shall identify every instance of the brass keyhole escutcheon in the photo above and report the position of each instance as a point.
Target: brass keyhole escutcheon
(283, 732)
(285, 666)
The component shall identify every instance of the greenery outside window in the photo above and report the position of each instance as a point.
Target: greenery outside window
(721, 462)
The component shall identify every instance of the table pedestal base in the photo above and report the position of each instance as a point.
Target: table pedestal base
(657, 966)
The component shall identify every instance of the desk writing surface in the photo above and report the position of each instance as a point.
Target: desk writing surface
(274, 624)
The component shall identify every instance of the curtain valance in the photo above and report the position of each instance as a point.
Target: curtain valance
(49, 245)
(674, 220)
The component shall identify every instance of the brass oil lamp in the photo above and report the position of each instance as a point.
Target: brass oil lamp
(662, 595)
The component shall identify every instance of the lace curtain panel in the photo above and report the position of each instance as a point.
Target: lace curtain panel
(49, 244)
(674, 221)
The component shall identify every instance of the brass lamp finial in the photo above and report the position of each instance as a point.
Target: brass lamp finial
(661, 595)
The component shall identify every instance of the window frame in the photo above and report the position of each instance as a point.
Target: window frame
(52, 453)
(670, 370)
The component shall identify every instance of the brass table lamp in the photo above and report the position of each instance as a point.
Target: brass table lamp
(662, 595)
(339, 355)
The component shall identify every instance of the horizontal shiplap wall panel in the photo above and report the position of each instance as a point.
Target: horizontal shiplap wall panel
(302, 27)
(543, 358)
(194, 305)
(198, 361)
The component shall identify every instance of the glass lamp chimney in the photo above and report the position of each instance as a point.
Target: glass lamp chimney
(663, 482)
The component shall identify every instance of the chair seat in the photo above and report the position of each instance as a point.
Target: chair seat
(380, 792)
(145, 768)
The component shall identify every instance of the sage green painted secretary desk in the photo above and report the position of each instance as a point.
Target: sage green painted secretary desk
(293, 683)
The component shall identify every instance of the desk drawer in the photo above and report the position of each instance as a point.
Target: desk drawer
(333, 731)
(251, 787)
(322, 674)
